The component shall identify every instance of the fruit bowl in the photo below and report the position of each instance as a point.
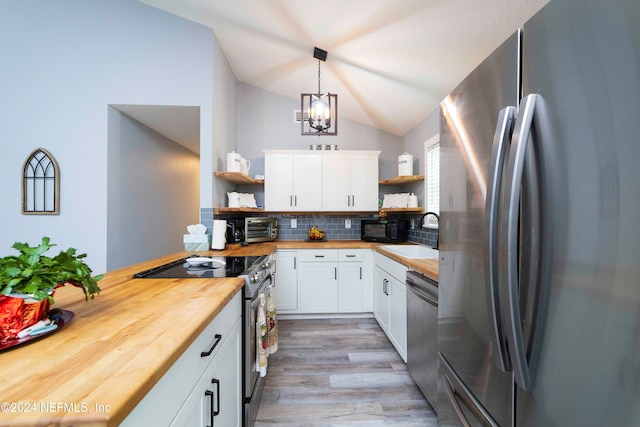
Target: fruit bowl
(316, 233)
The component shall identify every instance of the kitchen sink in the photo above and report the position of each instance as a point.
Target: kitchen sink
(413, 251)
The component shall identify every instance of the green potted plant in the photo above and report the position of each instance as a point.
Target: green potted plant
(28, 281)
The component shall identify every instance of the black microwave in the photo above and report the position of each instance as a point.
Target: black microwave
(384, 230)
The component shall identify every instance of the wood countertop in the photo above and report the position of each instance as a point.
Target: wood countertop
(100, 366)
(429, 267)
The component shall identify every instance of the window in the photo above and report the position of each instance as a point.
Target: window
(432, 179)
(40, 184)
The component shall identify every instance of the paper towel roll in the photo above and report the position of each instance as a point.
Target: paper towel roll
(218, 235)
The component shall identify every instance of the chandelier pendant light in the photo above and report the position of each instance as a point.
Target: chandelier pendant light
(319, 109)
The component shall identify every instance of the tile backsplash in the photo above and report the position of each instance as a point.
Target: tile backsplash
(333, 225)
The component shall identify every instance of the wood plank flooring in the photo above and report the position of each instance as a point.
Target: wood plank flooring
(339, 372)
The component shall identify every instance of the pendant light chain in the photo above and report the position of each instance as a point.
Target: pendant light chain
(319, 77)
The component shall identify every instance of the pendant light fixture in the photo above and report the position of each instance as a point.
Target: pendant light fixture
(319, 109)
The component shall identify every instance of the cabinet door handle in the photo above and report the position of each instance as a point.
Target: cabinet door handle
(218, 337)
(211, 415)
(290, 200)
(295, 200)
(353, 200)
(348, 200)
(360, 273)
(335, 273)
(217, 411)
(295, 266)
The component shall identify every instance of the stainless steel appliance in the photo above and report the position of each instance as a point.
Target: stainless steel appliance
(539, 303)
(258, 273)
(384, 230)
(260, 229)
(422, 333)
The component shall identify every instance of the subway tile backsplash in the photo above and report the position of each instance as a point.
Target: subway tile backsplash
(333, 225)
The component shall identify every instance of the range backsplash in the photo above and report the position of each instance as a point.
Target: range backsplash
(333, 225)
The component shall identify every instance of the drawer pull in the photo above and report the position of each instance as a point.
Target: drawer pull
(350, 256)
(215, 343)
(319, 256)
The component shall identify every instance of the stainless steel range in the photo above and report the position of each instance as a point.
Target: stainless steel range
(258, 273)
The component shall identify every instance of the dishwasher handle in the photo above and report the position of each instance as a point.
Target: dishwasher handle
(423, 287)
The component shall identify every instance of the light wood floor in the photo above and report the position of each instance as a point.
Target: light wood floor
(339, 372)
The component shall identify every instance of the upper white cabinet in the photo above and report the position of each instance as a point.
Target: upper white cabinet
(329, 181)
(293, 181)
(350, 181)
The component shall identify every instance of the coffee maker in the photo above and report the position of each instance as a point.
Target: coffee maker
(235, 230)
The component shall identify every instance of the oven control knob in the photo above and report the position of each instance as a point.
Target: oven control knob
(255, 278)
(266, 265)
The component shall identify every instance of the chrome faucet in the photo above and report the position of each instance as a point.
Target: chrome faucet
(438, 218)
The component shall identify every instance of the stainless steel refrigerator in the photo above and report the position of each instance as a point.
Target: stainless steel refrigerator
(539, 296)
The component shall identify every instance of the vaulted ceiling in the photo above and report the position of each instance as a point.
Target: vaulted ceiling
(391, 62)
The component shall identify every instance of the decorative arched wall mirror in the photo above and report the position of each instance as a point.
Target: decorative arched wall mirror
(40, 184)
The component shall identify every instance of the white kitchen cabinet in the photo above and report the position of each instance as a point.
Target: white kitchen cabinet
(350, 181)
(390, 304)
(350, 281)
(381, 298)
(215, 399)
(398, 315)
(174, 396)
(318, 281)
(293, 181)
(324, 281)
(285, 295)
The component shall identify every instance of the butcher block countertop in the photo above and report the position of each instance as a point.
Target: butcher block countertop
(100, 366)
(428, 267)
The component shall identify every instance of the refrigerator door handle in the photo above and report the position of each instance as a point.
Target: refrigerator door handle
(501, 139)
(457, 392)
(448, 388)
(521, 136)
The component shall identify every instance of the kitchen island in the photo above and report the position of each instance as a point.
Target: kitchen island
(95, 370)
(100, 366)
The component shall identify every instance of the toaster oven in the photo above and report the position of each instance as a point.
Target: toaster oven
(260, 229)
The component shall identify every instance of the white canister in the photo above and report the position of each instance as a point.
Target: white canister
(234, 162)
(405, 164)
(412, 202)
(245, 165)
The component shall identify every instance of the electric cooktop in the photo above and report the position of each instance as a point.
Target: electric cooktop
(205, 267)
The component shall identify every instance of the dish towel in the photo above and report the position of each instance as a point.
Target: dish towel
(262, 339)
(272, 322)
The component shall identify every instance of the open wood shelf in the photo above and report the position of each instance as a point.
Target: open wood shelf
(218, 211)
(399, 180)
(402, 210)
(238, 178)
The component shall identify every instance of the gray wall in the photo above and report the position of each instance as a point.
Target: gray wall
(63, 63)
(265, 121)
(153, 192)
(413, 143)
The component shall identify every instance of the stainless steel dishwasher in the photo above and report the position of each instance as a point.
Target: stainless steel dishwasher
(422, 333)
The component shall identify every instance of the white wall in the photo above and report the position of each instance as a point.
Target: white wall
(153, 192)
(63, 63)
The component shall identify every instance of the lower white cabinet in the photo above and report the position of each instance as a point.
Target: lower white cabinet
(214, 401)
(318, 281)
(351, 276)
(285, 295)
(390, 303)
(180, 397)
(323, 281)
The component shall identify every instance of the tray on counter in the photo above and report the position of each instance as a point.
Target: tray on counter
(57, 315)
